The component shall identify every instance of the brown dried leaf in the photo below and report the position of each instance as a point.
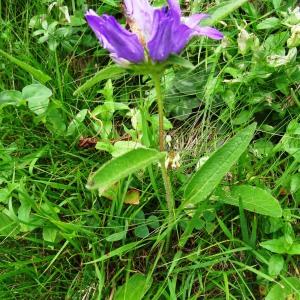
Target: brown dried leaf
(87, 142)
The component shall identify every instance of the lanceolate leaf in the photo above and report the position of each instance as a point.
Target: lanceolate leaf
(212, 172)
(122, 166)
(108, 73)
(254, 199)
(223, 11)
(37, 74)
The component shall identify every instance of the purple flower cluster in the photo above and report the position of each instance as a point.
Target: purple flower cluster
(155, 33)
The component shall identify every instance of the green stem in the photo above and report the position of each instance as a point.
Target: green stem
(58, 75)
(167, 183)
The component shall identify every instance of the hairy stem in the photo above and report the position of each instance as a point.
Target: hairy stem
(167, 183)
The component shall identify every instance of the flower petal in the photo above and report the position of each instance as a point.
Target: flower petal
(169, 36)
(140, 15)
(175, 6)
(209, 32)
(193, 20)
(121, 43)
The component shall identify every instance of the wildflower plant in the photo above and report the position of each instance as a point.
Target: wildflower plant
(153, 42)
(176, 225)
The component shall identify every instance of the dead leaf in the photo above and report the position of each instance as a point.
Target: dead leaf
(132, 196)
(87, 142)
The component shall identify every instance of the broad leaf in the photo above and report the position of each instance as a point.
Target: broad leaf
(37, 96)
(141, 231)
(254, 199)
(278, 246)
(49, 234)
(215, 168)
(276, 264)
(281, 246)
(270, 23)
(289, 288)
(122, 166)
(108, 73)
(37, 74)
(10, 97)
(135, 288)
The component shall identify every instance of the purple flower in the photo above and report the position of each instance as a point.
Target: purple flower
(155, 33)
(123, 45)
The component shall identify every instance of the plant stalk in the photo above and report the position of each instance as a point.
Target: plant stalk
(167, 183)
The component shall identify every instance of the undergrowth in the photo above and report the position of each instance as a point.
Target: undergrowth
(60, 240)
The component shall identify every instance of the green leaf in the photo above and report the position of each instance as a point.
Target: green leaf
(254, 199)
(8, 226)
(105, 146)
(278, 246)
(276, 264)
(291, 141)
(122, 166)
(55, 120)
(122, 147)
(118, 252)
(295, 183)
(108, 73)
(223, 11)
(262, 148)
(180, 61)
(10, 97)
(215, 168)
(243, 117)
(37, 96)
(141, 231)
(276, 3)
(289, 288)
(270, 23)
(4, 195)
(135, 288)
(24, 215)
(153, 222)
(37, 74)
(116, 236)
(294, 249)
(49, 234)
(75, 123)
(113, 3)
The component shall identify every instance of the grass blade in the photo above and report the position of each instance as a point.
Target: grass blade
(37, 74)
(107, 73)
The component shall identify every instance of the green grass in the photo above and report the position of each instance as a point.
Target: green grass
(58, 240)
